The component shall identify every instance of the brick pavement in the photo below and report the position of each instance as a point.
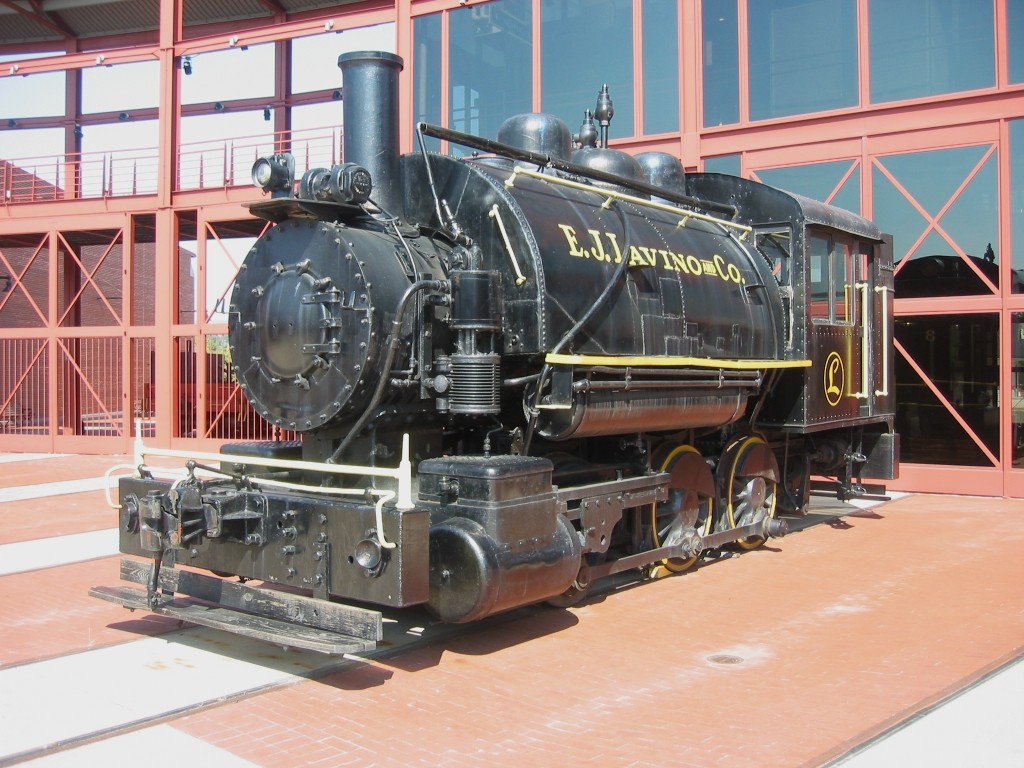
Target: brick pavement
(841, 631)
(837, 632)
(50, 469)
(28, 519)
(47, 613)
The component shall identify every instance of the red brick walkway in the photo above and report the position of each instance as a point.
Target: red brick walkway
(786, 656)
(841, 630)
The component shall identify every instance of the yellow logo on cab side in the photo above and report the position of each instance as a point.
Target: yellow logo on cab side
(835, 375)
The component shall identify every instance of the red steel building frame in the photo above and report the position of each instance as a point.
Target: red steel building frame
(60, 349)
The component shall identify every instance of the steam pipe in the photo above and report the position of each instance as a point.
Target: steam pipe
(394, 341)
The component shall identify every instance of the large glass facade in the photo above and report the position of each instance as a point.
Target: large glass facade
(929, 47)
(803, 56)
(582, 47)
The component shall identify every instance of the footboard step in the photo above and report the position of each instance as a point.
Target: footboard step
(274, 631)
(279, 617)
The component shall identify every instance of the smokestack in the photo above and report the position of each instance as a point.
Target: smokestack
(370, 111)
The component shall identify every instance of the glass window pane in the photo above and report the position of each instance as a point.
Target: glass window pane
(774, 244)
(236, 73)
(119, 158)
(39, 95)
(316, 136)
(1015, 34)
(219, 150)
(848, 196)
(820, 281)
(225, 253)
(926, 47)
(38, 173)
(729, 164)
(310, 117)
(1017, 202)
(721, 71)
(1017, 382)
(816, 180)
(426, 72)
(32, 142)
(489, 63)
(661, 69)
(960, 356)
(572, 32)
(962, 258)
(315, 58)
(125, 86)
(803, 56)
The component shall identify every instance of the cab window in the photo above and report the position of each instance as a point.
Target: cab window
(774, 244)
(832, 277)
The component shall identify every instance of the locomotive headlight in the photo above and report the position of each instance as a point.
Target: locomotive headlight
(275, 174)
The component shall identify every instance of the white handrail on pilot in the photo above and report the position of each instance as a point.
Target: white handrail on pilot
(402, 473)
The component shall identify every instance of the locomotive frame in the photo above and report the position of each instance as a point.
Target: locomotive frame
(515, 373)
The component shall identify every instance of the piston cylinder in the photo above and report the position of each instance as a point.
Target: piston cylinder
(497, 539)
(473, 576)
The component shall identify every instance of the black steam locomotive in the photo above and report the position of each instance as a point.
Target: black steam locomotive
(514, 371)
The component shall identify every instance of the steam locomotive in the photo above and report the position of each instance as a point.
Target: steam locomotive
(515, 369)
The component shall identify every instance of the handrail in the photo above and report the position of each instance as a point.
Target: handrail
(402, 475)
(129, 173)
(884, 391)
(865, 345)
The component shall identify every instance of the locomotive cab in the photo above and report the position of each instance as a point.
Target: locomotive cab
(835, 273)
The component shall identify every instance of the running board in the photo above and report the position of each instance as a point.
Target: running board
(281, 618)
